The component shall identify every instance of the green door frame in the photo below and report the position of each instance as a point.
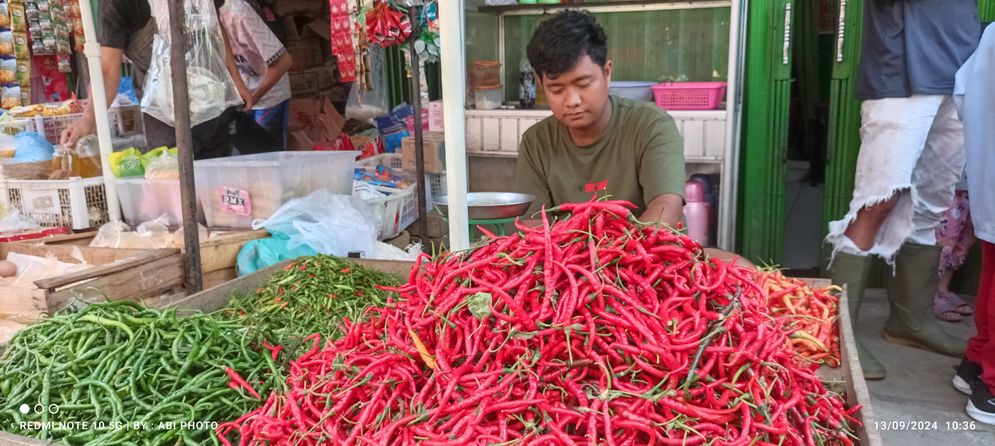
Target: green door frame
(766, 100)
(844, 118)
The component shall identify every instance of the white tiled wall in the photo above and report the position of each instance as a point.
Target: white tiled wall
(498, 131)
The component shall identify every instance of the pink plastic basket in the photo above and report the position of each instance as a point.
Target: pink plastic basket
(689, 95)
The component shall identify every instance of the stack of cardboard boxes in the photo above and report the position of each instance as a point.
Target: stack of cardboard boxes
(307, 35)
(314, 77)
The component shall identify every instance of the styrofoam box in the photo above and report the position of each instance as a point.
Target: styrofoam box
(236, 190)
(146, 200)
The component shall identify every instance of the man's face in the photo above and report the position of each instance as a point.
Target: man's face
(579, 96)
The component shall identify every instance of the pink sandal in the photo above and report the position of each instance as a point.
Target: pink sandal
(946, 306)
(962, 306)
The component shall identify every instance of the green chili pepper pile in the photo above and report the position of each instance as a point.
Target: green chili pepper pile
(125, 370)
(312, 295)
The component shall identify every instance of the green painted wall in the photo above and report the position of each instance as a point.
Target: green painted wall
(688, 44)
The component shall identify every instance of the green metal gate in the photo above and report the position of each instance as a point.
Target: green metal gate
(844, 116)
(765, 136)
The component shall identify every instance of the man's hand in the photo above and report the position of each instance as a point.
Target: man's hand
(82, 127)
(248, 98)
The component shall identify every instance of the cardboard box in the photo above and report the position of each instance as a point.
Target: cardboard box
(302, 28)
(327, 76)
(308, 53)
(286, 8)
(303, 84)
(435, 153)
(313, 122)
(436, 123)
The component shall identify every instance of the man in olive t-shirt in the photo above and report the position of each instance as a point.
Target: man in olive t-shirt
(595, 144)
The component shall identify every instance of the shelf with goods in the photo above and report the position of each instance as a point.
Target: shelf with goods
(670, 42)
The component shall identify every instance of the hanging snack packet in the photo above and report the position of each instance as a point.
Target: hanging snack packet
(18, 19)
(127, 163)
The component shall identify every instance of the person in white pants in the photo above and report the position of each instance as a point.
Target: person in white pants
(911, 157)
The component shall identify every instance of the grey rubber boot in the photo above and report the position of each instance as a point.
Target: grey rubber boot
(852, 270)
(910, 293)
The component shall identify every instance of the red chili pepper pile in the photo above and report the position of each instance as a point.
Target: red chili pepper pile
(592, 330)
(810, 317)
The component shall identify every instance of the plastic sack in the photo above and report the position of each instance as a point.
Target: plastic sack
(31, 268)
(31, 147)
(162, 164)
(367, 101)
(328, 223)
(15, 221)
(210, 87)
(258, 254)
(127, 163)
(8, 145)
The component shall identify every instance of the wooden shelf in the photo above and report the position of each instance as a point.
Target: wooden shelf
(524, 9)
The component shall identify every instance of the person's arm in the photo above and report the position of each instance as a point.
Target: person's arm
(274, 73)
(110, 64)
(236, 77)
(253, 31)
(665, 209)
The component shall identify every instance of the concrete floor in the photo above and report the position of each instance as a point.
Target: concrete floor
(918, 387)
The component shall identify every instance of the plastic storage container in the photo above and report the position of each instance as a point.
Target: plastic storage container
(146, 200)
(486, 73)
(689, 95)
(236, 190)
(395, 210)
(488, 98)
(638, 90)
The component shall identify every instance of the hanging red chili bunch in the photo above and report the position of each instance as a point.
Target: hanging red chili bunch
(386, 26)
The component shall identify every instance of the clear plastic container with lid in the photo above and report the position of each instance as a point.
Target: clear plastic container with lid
(486, 73)
(236, 190)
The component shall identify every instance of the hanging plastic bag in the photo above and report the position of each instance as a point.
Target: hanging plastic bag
(127, 163)
(328, 223)
(368, 98)
(162, 164)
(211, 88)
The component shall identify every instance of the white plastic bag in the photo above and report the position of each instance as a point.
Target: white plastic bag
(15, 221)
(31, 268)
(211, 88)
(328, 223)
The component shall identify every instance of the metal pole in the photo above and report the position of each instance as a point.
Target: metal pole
(99, 98)
(184, 144)
(453, 59)
(729, 187)
(419, 140)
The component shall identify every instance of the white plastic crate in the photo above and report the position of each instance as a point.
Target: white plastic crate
(396, 210)
(435, 181)
(74, 203)
(50, 127)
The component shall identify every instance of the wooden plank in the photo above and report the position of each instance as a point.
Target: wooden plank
(23, 304)
(221, 252)
(68, 253)
(856, 392)
(17, 440)
(136, 282)
(90, 273)
(216, 298)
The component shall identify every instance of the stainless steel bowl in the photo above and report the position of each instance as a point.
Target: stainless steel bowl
(491, 205)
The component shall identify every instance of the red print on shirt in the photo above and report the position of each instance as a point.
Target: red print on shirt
(596, 187)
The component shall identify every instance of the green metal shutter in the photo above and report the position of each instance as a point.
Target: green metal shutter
(765, 114)
(987, 10)
(844, 118)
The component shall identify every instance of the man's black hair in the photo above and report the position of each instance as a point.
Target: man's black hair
(560, 42)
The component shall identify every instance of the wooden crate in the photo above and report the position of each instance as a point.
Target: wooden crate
(119, 274)
(850, 373)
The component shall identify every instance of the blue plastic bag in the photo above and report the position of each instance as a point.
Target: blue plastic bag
(259, 254)
(32, 147)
